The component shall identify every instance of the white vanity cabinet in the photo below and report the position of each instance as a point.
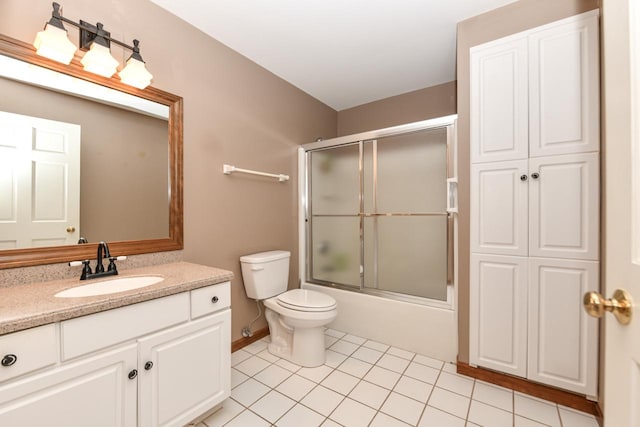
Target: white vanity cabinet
(162, 362)
(535, 203)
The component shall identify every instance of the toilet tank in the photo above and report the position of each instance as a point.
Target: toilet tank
(265, 274)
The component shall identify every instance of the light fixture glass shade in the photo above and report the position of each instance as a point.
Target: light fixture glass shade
(135, 74)
(98, 60)
(53, 43)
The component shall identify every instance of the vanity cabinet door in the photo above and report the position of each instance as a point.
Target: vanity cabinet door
(95, 391)
(184, 371)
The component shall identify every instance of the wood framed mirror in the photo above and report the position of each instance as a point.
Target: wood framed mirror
(172, 237)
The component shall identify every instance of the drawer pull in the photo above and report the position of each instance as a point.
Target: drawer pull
(214, 300)
(148, 365)
(9, 359)
(132, 374)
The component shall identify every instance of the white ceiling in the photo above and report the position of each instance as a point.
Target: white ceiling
(342, 52)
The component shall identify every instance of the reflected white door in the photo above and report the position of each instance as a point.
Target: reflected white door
(622, 210)
(39, 182)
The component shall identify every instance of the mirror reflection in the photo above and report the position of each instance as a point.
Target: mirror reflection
(76, 167)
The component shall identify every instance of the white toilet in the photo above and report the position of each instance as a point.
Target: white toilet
(297, 317)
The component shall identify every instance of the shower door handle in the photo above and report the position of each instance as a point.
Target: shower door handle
(450, 248)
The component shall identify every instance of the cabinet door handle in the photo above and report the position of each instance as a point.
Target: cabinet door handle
(132, 374)
(523, 177)
(535, 175)
(214, 300)
(9, 359)
(148, 365)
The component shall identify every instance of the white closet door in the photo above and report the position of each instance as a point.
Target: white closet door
(498, 313)
(499, 212)
(564, 206)
(564, 88)
(499, 101)
(563, 339)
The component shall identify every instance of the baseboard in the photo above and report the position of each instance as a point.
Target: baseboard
(243, 342)
(552, 394)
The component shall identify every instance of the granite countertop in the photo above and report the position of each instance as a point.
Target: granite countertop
(30, 305)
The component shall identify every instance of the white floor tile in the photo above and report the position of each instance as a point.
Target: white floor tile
(382, 377)
(422, 373)
(333, 358)
(368, 355)
(403, 408)
(344, 347)
(413, 388)
(354, 339)
(484, 415)
(230, 408)
(384, 420)
(247, 418)
(536, 409)
(329, 341)
(264, 354)
(455, 383)
(252, 365)
(376, 345)
(322, 400)
(272, 406)
(300, 416)
(401, 353)
(330, 423)
(450, 367)
(428, 361)
(334, 333)
(255, 347)
(353, 414)
(393, 363)
(296, 387)
(237, 378)
(316, 374)
(249, 391)
(369, 394)
(573, 418)
(433, 417)
(495, 396)
(288, 365)
(272, 375)
(239, 356)
(355, 367)
(450, 402)
(340, 382)
(526, 422)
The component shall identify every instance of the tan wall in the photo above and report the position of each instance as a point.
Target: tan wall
(235, 112)
(123, 162)
(510, 19)
(427, 103)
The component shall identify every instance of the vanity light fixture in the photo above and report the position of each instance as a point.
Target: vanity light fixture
(53, 43)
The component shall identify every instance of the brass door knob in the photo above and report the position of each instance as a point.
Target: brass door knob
(71, 229)
(620, 305)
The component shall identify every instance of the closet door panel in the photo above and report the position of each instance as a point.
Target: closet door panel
(499, 213)
(564, 206)
(564, 89)
(498, 313)
(563, 339)
(499, 101)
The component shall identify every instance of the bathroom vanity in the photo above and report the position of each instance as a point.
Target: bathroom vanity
(155, 356)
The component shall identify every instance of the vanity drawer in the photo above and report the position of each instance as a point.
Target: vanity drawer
(210, 299)
(33, 349)
(83, 335)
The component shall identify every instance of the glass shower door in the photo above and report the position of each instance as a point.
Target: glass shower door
(334, 208)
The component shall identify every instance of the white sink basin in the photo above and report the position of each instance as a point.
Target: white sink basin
(110, 286)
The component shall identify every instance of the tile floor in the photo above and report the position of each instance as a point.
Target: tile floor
(366, 383)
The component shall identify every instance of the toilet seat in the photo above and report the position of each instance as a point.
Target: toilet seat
(306, 300)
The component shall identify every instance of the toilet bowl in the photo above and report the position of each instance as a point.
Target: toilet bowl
(297, 317)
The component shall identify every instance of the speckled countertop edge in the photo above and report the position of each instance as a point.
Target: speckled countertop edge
(27, 306)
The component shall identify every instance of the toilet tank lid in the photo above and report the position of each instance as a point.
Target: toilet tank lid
(265, 257)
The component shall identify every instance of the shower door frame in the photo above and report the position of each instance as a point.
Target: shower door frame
(304, 229)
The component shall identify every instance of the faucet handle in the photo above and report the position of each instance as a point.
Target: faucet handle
(112, 262)
(86, 269)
